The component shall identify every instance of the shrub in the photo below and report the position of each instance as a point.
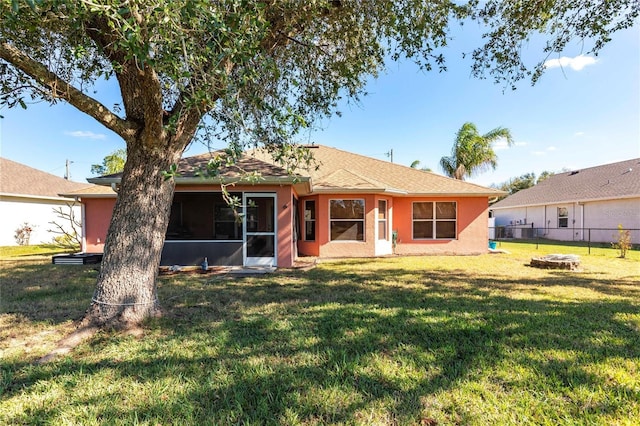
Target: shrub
(624, 241)
(23, 234)
(68, 232)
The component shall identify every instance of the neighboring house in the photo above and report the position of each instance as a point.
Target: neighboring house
(581, 205)
(28, 195)
(350, 206)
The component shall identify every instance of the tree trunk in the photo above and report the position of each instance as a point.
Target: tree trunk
(126, 291)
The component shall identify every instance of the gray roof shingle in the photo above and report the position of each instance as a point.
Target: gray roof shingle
(346, 171)
(338, 171)
(606, 182)
(18, 179)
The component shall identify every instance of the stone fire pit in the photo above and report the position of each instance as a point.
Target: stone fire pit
(557, 261)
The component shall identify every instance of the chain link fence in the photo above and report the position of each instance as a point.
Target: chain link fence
(586, 237)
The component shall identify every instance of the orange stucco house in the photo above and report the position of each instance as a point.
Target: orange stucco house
(349, 206)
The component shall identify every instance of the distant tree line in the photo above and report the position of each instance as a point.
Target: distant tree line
(521, 182)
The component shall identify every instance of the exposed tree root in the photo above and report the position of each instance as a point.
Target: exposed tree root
(87, 330)
(67, 344)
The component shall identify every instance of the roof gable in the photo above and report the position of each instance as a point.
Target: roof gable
(609, 181)
(342, 179)
(340, 170)
(20, 180)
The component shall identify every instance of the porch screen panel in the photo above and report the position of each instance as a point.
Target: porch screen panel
(260, 215)
(202, 216)
(346, 219)
(226, 223)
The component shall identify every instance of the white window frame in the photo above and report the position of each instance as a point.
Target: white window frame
(313, 220)
(434, 221)
(385, 237)
(565, 217)
(363, 220)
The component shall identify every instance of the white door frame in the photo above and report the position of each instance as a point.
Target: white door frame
(246, 234)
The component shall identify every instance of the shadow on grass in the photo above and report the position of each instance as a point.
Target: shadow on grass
(46, 292)
(328, 347)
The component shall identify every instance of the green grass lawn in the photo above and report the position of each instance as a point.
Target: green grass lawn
(478, 340)
(26, 252)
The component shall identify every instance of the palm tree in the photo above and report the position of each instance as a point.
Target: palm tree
(473, 152)
(415, 165)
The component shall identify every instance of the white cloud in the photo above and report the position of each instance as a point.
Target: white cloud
(577, 63)
(578, 134)
(544, 151)
(500, 145)
(503, 144)
(86, 134)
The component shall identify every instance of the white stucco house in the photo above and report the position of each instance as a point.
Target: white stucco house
(580, 205)
(28, 195)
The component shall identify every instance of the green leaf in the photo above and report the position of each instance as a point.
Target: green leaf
(171, 173)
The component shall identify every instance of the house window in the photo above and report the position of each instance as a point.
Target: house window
(382, 219)
(346, 220)
(310, 220)
(434, 220)
(563, 217)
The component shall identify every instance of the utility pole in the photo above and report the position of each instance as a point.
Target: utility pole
(67, 174)
(390, 154)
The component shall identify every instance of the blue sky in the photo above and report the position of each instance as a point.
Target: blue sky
(581, 114)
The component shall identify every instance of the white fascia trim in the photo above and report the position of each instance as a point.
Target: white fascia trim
(358, 191)
(35, 197)
(214, 181)
(454, 194)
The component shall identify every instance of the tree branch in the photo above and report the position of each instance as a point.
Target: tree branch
(60, 89)
(140, 86)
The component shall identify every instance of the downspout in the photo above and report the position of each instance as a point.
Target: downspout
(83, 248)
(581, 221)
(573, 222)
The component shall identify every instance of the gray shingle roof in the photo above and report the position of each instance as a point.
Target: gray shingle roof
(346, 171)
(338, 171)
(18, 179)
(606, 182)
(190, 170)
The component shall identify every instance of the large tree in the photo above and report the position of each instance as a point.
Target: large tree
(243, 72)
(112, 163)
(473, 152)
